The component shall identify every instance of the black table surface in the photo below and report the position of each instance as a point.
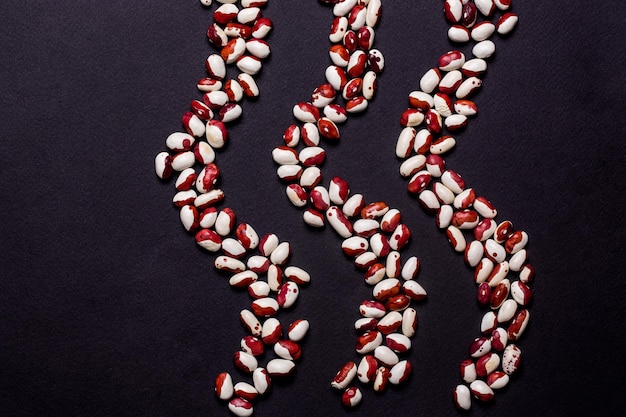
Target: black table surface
(109, 308)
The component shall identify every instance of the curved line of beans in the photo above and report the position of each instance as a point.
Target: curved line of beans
(441, 106)
(373, 233)
(258, 264)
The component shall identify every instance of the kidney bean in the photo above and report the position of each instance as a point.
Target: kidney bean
(279, 367)
(351, 397)
(462, 397)
(366, 371)
(481, 391)
(271, 331)
(261, 380)
(224, 388)
(245, 362)
(298, 330)
(287, 294)
(240, 407)
(511, 359)
(409, 322)
(467, 370)
(518, 325)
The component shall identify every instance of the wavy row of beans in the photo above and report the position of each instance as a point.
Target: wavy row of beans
(496, 251)
(256, 264)
(373, 233)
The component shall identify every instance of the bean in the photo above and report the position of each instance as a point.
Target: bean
(483, 31)
(456, 238)
(444, 144)
(484, 49)
(245, 362)
(409, 322)
(521, 293)
(443, 217)
(484, 229)
(465, 199)
(280, 255)
(339, 222)
(279, 367)
(499, 294)
(451, 81)
(381, 379)
(287, 349)
(297, 275)
(189, 217)
(271, 331)
(462, 397)
(507, 311)
(392, 264)
(398, 342)
(483, 270)
(518, 325)
(467, 369)
(353, 205)
(259, 289)
(473, 253)
(430, 80)
(481, 391)
(224, 388)
(209, 240)
(261, 28)
(366, 371)
(249, 86)
(410, 269)
(486, 7)
(216, 133)
(243, 279)
(351, 397)
(499, 272)
(298, 330)
(344, 376)
(287, 294)
(261, 380)
(453, 10)
(265, 307)
(310, 177)
(506, 23)
(215, 66)
(240, 407)
(373, 13)
(497, 380)
(489, 322)
(468, 87)
(518, 260)
(486, 364)
(458, 34)
(246, 391)
(451, 60)
(228, 264)
(233, 50)
(443, 104)
(511, 359)
(384, 355)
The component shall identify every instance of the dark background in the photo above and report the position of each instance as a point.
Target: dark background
(108, 308)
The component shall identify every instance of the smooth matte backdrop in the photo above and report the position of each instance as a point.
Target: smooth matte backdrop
(109, 308)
